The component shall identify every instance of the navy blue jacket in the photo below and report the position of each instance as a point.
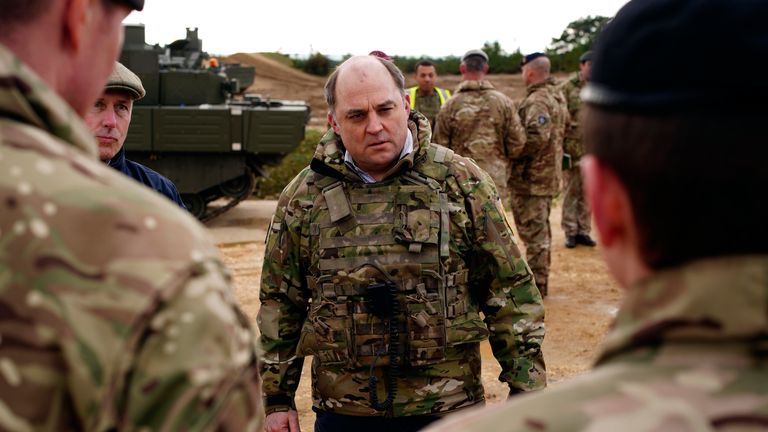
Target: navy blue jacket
(146, 176)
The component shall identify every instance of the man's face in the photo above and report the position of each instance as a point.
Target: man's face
(108, 120)
(426, 77)
(102, 38)
(371, 115)
(586, 69)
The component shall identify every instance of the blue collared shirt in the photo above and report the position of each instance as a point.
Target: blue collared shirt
(364, 176)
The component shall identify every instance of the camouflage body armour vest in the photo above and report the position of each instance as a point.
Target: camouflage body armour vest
(398, 230)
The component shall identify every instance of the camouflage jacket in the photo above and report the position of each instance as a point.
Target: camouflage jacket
(482, 123)
(316, 272)
(537, 170)
(116, 312)
(572, 91)
(688, 353)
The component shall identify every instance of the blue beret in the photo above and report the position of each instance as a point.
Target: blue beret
(678, 38)
(531, 57)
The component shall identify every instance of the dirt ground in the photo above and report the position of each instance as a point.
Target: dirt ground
(583, 300)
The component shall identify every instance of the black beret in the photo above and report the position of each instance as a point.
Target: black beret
(531, 57)
(658, 55)
(134, 4)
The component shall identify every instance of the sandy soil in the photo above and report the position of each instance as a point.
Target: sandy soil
(582, 302)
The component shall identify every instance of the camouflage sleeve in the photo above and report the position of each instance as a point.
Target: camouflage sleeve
(442, 134)
(503, 284)
(514, 136)
(284, 299)
(195, 366)
(538, 125)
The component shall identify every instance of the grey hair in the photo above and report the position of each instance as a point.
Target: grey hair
(330, 85)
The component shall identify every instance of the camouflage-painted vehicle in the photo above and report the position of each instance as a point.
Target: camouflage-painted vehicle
(196, 127)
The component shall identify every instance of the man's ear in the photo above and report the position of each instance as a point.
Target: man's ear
(462, 69)
(408, 104)
(77, 14)
(332, 122)
(608, 199)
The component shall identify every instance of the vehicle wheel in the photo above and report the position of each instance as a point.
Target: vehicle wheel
(239, 186)
(195, 204)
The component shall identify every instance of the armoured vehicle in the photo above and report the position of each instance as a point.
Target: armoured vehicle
(196, 127)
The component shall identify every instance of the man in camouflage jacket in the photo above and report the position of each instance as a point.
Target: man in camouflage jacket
(576, 220)
(481, 123)
(408, 248)
(116, 312)
(688, 349)
(537, 169)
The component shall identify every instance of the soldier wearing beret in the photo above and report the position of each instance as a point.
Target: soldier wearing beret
(116, 312)
(109, 119)
(666, 169)
(481, 123)
(577, 219)
(537, 168)
(380, 258)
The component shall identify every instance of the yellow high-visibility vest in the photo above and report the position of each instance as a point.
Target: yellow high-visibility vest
(442, 93)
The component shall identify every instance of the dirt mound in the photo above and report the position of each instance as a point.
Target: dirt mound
(279, 81)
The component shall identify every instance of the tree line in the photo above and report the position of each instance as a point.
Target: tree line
(564, 52)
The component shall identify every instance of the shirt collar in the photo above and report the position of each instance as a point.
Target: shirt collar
(367, 178)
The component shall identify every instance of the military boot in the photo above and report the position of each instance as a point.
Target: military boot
(585, 240)
(570, 242)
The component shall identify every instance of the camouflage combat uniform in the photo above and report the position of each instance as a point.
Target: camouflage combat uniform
(537, 171)
(482, 123)
(434, 217)
(576, 215)
(116, 312)
(688, 353)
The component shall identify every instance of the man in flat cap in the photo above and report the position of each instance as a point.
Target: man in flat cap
(481, 123)
(537, 167)
(116, 312)
(665, 167)
(577, 219)
(109, 119)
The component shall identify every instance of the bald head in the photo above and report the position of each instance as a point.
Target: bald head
(362, 68)
(537, 70)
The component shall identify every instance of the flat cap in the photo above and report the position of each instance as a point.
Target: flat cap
(123, 79)
(531, 57)
(587, 56)
(134, 4)
(679, 37)
(475, 52)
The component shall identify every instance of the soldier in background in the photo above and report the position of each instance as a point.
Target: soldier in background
(380, 257)
(537, 168)
(109, 119)
(576, 220)
(426, 98)
(481, 123)
(116, 312)
(665, 168)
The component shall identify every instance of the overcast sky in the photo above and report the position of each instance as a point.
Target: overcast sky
(336, 27)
